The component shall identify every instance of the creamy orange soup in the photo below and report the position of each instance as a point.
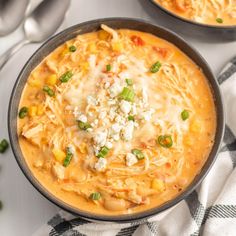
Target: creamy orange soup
(116, 121)
(213, 12)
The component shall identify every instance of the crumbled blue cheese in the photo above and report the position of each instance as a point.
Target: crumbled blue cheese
(76, 111)
(124, 75)
(111, 101)
(116, 137)
(107, 85)
(109, 145)
(100, 138)
(116, 128)
(134, 109)
(91, 100)
(112, 113)
(101, 164)
(71, 148)
(89, 130)
(125, 107)
(82, 118)
(114, 131)
(131, 159)
(147, 115)
(120, 119)
(115, 89)
(127, 131)
(102, 115)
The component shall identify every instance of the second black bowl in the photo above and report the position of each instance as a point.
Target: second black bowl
(211, 33)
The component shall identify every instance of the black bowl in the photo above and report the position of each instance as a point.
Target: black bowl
(90, 26)
(211, 33)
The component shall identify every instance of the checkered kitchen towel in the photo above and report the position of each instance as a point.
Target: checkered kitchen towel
(208, 211)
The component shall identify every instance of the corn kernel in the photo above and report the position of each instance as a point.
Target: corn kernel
(117, 46)
(103, 35)
(195, 126)
(40, 110)
(59, 155)
(84, 66)
(64, 52)
(34, 83)
(83, 148)
(33, 111)
(158, 185)
(92, 48)
(188, 141)
(51, 80)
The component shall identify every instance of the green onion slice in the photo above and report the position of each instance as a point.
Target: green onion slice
(1, 205)
(72, 48)
(155, 67)
(131, 117)
(184, 115)
(66, 77)
(103, 152)
(165, 141)
(129, 82)
(49, 91)
(95, 196)
(127, 94)
(3, 145)
(219, 20)
(68, 158)
(84, 125)
(108, 67)
(23, 112)
(138, 153)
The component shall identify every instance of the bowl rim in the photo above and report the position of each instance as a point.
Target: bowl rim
(126, 217)
(209, 26)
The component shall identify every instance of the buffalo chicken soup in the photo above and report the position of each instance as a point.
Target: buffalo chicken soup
(116, 121)
(213, 12)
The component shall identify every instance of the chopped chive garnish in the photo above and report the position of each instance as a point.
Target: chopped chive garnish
(108, 67)
(68, 158)
(84, 125)
(3, 145)
(165, 141)
(23, 112)
(72, 48)
(155, 67)
(219, 20)
(129, 82)
(184, 115)
(127, 94)
(95, 196)
(138, 153)
(49, 91)
(103, 152)
(131, 117)
(66, 77)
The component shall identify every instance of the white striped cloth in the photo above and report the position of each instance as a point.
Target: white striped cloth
(208, 211)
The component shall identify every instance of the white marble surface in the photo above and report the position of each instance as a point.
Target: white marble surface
(25, 210)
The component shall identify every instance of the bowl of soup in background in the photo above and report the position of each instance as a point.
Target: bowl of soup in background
(215, 28)
(138, 34)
